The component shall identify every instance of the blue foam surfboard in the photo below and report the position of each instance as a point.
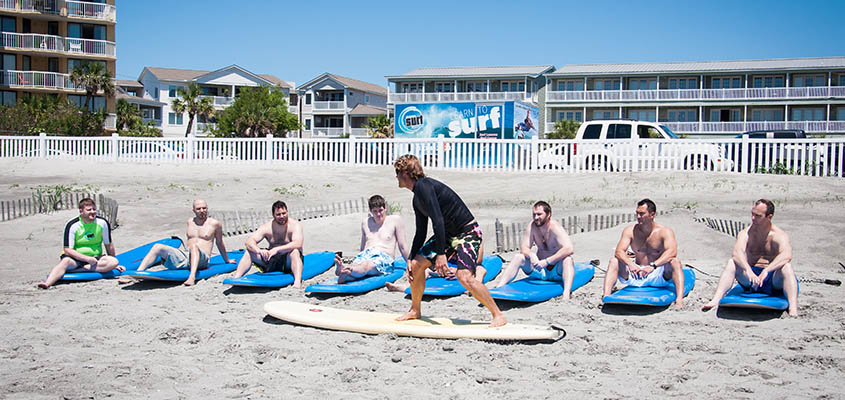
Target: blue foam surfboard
(314, 264)
(651, 296)
(130, 260)
(363, 285)
(216, 266)
(737, 297)
(533, 290)
(437, 286)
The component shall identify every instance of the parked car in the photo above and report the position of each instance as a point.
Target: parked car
(612, 148)
(772, 156)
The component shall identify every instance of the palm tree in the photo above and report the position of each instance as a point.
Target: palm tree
(92, 77)
(191, 100)
(379, 126)
(128, 114)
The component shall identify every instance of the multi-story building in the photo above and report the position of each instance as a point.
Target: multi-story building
(334, 105)
(705, 98)
(43, 40)
(161, 85)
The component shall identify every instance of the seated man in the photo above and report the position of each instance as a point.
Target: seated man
(553, 260)
(84, 239)
(201, 233)
(380, 234)
(761, 261)
(655, 255)
(284, 246)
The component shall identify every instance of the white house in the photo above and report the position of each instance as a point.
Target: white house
(334, 105)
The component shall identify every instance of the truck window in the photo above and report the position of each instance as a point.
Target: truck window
(648, 132)
(593, 131)
(619, 131)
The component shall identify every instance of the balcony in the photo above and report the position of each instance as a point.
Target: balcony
(68, 8)
(738, 127)
(330, 132)
(329, 105)
(36, 80)
(58, 44)
(445, 97)
(696, 94)
(220, 101)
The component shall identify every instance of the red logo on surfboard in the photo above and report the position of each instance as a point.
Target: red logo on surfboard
(315, 310)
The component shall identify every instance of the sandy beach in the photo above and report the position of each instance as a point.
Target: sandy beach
(159, 340)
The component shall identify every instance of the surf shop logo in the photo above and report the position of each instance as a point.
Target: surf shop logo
(471, 125)
(410, 120)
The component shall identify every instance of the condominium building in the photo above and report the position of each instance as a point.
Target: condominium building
(705, 98)
(334, 105)
(43, 40)
(160, 87)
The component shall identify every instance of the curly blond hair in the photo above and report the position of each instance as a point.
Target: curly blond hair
(410, 165)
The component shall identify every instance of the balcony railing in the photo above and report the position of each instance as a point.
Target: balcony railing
(443, 97)
(358, 132)
(293, 110)
(71, 46)
(329, 105)
(332, 132)
(35, 79)
(738, 127)
(221, 101)
(696, 94)
(73, 9)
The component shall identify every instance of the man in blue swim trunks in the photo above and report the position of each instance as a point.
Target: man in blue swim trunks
(455, 233)
(761, 260)
(655, 260)
(380, 235)
(84, 239)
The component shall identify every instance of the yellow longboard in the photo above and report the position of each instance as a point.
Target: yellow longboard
(376, 322)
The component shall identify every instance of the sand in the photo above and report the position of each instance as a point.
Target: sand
(159, 340)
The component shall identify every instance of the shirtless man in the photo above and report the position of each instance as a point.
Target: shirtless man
(761, 260)
(284, 246)
(202, 232)
(655, 253)
(84, 239)
(456, 233)
(380, 234)
(553, 260)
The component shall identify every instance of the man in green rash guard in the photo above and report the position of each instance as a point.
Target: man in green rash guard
(84, 238)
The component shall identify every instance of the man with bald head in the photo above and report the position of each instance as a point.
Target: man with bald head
(202, 231)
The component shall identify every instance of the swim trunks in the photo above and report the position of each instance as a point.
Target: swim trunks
(382, 261)
(278, 263)
(177, 259)
(545, 274)
(464, 247)
(766, 287)
(654, 279)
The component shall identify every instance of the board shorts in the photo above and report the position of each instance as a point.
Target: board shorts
(382, 261)
(177, 259)
(544, 274)
(766, 287)
(654, 279)
(463, 247)
(277, 263)
(79, 264)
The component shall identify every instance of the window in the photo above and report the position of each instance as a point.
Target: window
(513, 86)
(768, 81)
(8, 98)
(308, 124)
(840, 114)
(27, 26)
(443, 87)
(726, 82)
(73, 63)
(411, 87)
(476, 86)
(683, 83)
(156, 94)
(307, 98)
(366, 98)
(607, 84)
(172, 91)
(724, 115)
(767, 114)
(53, 28)
(570, 86)
(8, 62)
(593, 131)
(53, 64)
(26, 63)
(86, 31)
(619, 131)
(808, 114)
(681, 116)
(642, 84)
(642, 115)
(7, 24)
(98, 103)
(569, 116)
(809, 80)
(174, 119)
(601, 114)
(648, 132)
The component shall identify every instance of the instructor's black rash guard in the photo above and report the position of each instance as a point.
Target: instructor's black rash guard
(448, 213)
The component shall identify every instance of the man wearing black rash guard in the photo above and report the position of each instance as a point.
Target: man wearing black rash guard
(455, 233)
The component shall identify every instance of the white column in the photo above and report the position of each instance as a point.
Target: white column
(584, 114)
(487, 96)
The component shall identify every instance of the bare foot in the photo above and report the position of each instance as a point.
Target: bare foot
(297, 285)
(409, 315)
(567, 296)
(793, 313)
(120, 268)
(392, 287)
(679, 305)
(128, 279)
(342, 278)
(43, 285)
(190, 282)
(498, 321)
(709, 306)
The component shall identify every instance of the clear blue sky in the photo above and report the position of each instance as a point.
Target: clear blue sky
(366, 40)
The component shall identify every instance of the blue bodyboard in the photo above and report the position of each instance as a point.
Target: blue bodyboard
(533, 290)
(651, 296)
(216, 266)
(437, 286)
(314, 264)
(362, 285)
(130, 260)
(737, 297)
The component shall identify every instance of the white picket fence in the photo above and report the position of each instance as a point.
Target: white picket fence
(815, 157)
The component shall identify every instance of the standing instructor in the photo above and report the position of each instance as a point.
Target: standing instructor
(455, 233)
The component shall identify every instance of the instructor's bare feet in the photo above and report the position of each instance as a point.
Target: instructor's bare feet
(392, 287)
(409, 315)
(499, 320)
(709, 306)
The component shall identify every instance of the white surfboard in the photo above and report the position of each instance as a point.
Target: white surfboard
(376, 322)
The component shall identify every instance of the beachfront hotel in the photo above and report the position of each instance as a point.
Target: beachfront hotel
(333, 106)
(43, 40)
(705, 98)
(156, 89)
